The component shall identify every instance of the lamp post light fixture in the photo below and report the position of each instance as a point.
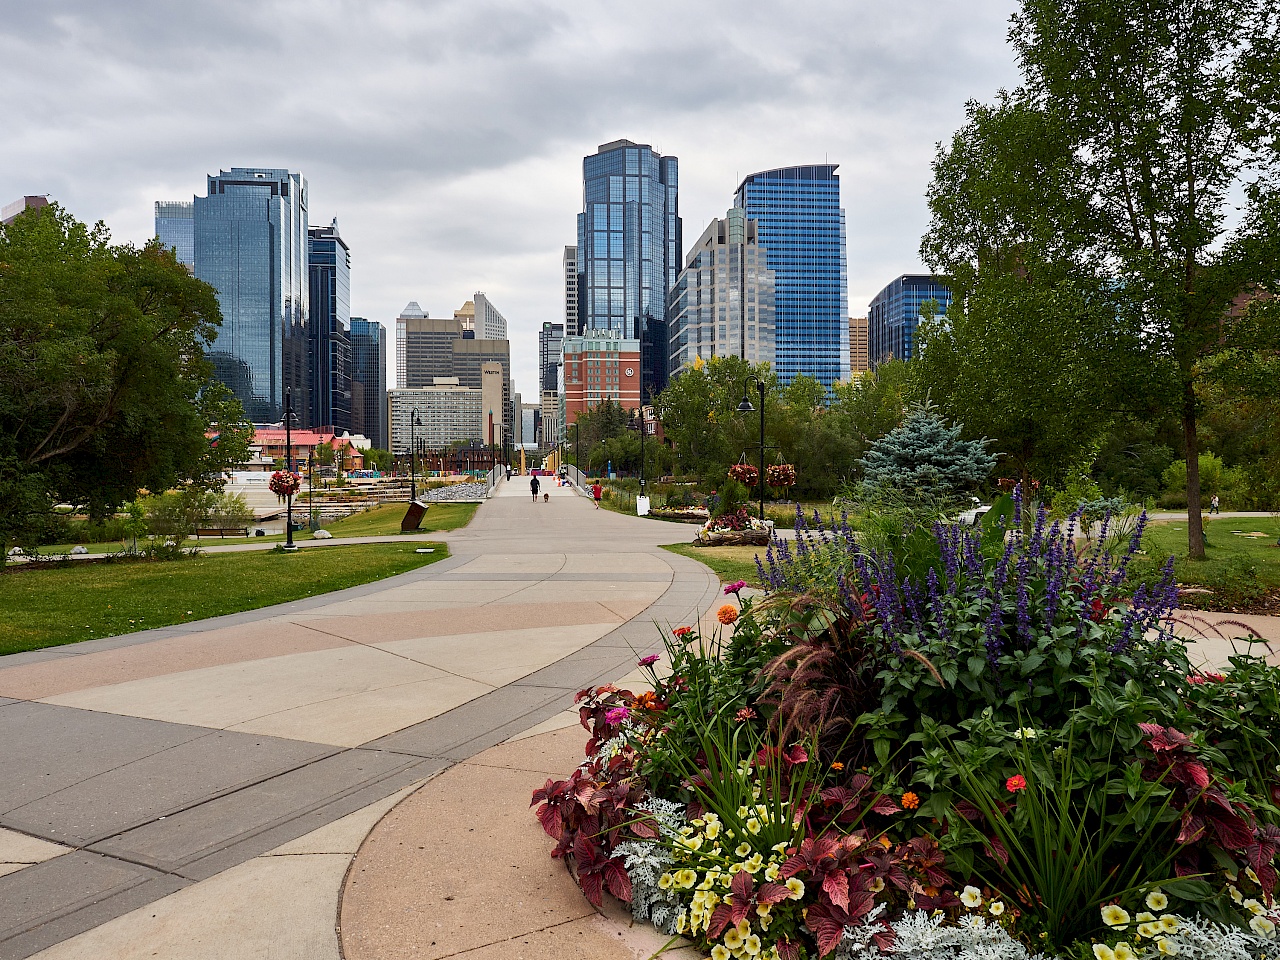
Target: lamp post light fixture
(746, 407)
(288, 465)
(414, 421)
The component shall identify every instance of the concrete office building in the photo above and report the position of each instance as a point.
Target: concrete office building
(447, 413)
(723, 301)
(859, 346)
(571, 281)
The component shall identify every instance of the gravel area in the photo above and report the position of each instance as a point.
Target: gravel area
(456, 492)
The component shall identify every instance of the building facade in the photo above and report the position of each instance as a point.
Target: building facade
(550, 346)
(723, 301)
(447, 413)
(859, 347)
(424, 347)
(571, 280)
(329, 268)
(801, 227)
(176, 229)
(894, 315)
(369, 381)
(600, 366)
(629, 248)
(250, 245)
(11, 211)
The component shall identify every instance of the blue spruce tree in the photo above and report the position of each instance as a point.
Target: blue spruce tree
(925, 458)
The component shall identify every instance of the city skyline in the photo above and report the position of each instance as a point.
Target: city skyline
(460, 170)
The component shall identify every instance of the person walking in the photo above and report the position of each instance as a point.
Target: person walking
(533, 485)
(1213, 504)
(596, 493)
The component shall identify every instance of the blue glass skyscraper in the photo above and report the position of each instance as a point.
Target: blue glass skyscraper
(894, 315)
(369, 381)
(801, 226)
(629, 249)
(329, 264)
(175, 229)
(250, 244)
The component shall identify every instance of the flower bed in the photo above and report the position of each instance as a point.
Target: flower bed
(973, 744)
(736, 527)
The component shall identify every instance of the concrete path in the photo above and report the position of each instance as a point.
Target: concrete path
(199, 790)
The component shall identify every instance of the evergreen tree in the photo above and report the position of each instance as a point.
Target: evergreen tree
(925, 457)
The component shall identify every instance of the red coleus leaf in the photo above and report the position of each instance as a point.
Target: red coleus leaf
(1231, 830)
(968, 810)
(788, 949)
(552, 822)
(645, 828)
(1192, 828)
(616, 879)
(827, 923)
(943, 900)
(996, 847)
(885, 805)
(836, 886)
(1163, 738)
(721, 917)
(592, 885)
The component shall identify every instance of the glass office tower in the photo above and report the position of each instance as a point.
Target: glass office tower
(894, 315)
(175, 227)
(250, 244)
(329, 265)
(629, 248)
(801, 226)
(369, 380)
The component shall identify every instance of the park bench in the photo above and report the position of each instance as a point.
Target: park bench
(223, 532)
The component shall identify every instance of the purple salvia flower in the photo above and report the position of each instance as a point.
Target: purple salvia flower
(1024, 601)
(1017, 504)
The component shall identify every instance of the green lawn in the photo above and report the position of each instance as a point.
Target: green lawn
(728, 563)
(384, 521)
(51, 605)
(1235, 553)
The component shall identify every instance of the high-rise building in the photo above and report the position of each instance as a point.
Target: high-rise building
(801, 226)
(723, 301)
(329, 265)
(894, 315)
(176, 229)
(10, 211)
(447, 413)
(571, 281)
(629, 247)
(250, 245)
(369, 381)
(859, 353)
(468, 365)
(603, 365)
(550, 354)
(424, 347)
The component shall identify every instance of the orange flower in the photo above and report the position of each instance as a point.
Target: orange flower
(727, 614)
(910, 801)
(837, 766)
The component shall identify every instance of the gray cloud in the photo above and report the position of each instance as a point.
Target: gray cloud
(447, 136)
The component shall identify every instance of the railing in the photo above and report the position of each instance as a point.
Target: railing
(576, 477)
(495, 475)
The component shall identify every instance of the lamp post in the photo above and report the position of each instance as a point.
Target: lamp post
(746, 407)
(577, 451)
(413, 455)
(288, 465)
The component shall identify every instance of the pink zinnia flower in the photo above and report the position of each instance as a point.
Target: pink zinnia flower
(1015, 783)
(616, 715)
(734, 587)
(648, 661)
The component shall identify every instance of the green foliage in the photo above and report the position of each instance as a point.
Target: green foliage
(376, 459)
(926, 458)
(104, 387)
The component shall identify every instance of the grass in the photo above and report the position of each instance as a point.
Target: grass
(727, 563)
(1229, 552)
(66, 603)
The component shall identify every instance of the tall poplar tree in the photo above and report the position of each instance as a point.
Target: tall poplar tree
(1141, 154)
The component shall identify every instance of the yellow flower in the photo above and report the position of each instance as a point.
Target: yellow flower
(1148, 930)
(754, 864)
(1115, 916)
(752, 945)
(720, 952)
(1236, 895)
(713, 829)
(1157, 900)
(877, 884)
(753, 826)
(1125, 952)
(733, 939)
(996, 908)
(665, 881)
(1263, 927)
(796, 886)
(1254, 907)
(971, 897)
(1248, 872)
(763, 909)
(744, 850)
(771, 872)
(682, 922)
(744, 928)
(1103, 952)
(1145, 917)
(1167, 947)
(1169, 923)
(686, 878)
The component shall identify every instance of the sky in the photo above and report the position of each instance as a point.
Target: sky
(447, 136)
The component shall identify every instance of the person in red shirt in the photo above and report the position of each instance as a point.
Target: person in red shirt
(597, 493)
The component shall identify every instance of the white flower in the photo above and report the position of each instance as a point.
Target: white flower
(1125, 952)
(1024, 733)
(1248, 872)
(1115, 916)
(796, 886)
(1254, 907)
(996, 908)
(1263, 927)
(971, 897)
(1103, 952)
(1157, 900)
(1167, 947)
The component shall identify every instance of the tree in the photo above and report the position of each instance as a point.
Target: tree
(926, 458)
(104, 387)
(1141, 124)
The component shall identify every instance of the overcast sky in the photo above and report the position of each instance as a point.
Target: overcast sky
(447, 136)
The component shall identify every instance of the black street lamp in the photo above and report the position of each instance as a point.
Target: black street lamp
(746, 407)
(577, 450)
(414, 421)
(288, 465)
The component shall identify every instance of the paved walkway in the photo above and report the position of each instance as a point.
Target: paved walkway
(199, 790)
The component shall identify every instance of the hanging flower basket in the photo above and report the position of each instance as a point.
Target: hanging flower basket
(284, 483)
(780, 475)
(744, 473)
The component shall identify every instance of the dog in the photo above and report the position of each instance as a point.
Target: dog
(546, 498)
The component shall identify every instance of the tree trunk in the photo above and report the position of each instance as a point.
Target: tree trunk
(1195, 522)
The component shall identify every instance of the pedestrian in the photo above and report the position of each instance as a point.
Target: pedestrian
(1213, 504)
(533, 485)
(596, 493)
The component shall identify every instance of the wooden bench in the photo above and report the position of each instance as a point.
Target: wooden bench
(223, 532)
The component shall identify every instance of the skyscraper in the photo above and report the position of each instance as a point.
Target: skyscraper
(723, 302)
(550, 355)
(859, 356)
(894, 315)
(629, 246)
(424, 346)
(571, 280)
(250, 244)
(369, 380)
(329, 262)
(802, 230)
(176, 228)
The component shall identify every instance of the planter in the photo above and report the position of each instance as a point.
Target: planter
(735, 538)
